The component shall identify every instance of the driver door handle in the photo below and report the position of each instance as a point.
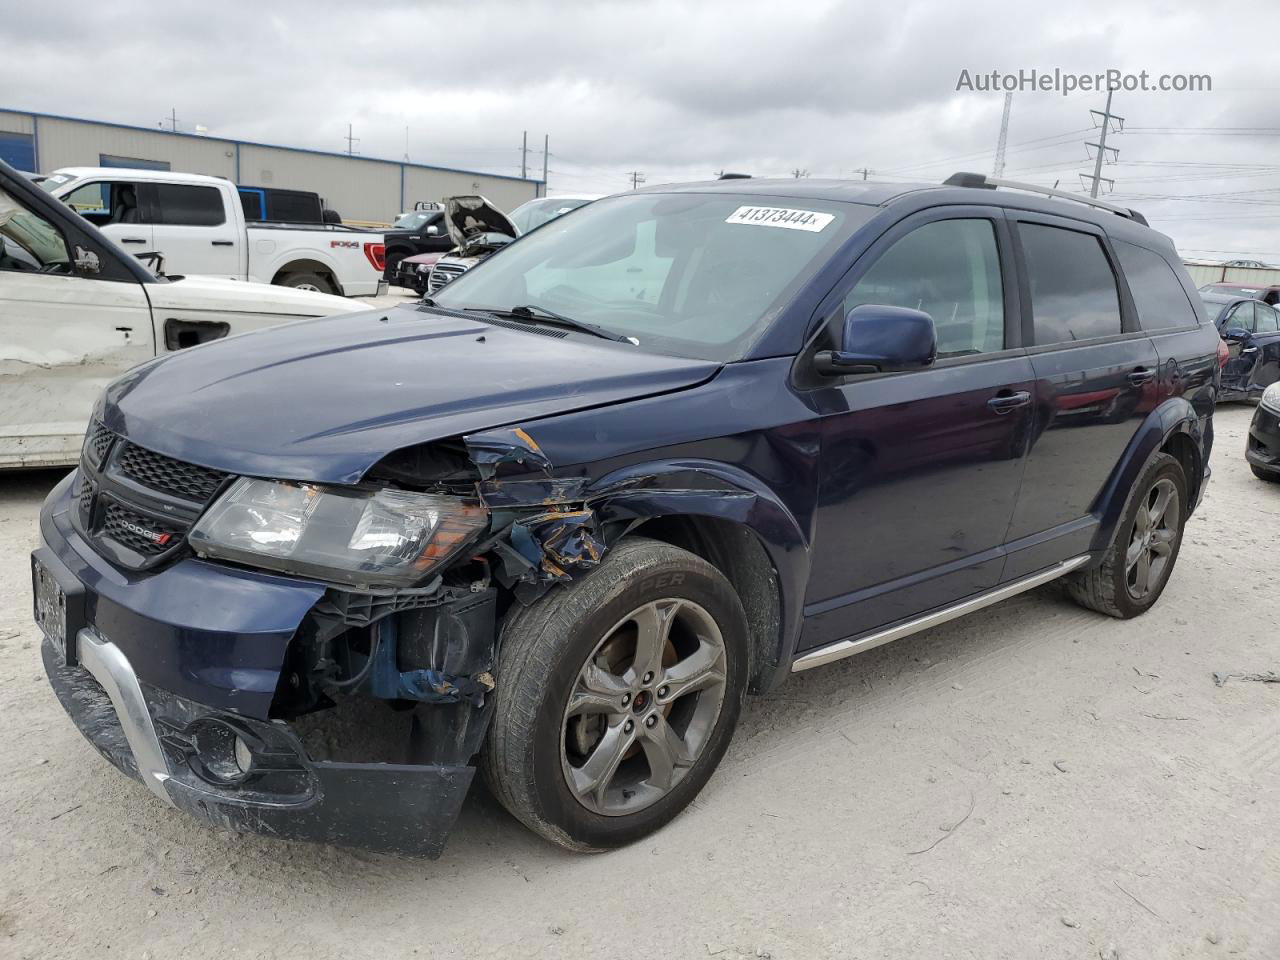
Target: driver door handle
(1005, 402)
(1248, 349)
(223, 243)
(132, 240)
(1139, 377)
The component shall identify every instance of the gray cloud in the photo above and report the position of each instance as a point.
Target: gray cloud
(680, 90)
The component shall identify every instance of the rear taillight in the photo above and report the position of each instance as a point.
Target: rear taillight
(377, 254)
(1224, 354)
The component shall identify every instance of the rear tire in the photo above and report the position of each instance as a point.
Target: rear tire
(1271, 476)
(1142, 554)
(306, 281)
(580, 747)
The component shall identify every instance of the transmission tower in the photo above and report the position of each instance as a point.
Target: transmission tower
(998, 169)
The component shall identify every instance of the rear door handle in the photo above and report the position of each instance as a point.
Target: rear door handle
(223, 243)
(1249, 350)
(1139, 377)
(1009, 401)
(132, 240)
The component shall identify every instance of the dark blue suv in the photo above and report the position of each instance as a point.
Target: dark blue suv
(557, 522)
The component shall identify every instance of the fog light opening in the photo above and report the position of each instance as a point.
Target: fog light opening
(221, 756)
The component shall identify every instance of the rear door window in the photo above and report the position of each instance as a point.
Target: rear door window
(1073, 289)
(1158, 294)
(185, 205)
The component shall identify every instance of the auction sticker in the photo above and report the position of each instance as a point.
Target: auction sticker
(781, 217)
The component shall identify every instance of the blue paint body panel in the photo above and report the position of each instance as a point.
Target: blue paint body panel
(875, 498)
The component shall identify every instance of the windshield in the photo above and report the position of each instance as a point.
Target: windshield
(413, 221)
(54, 181)
(696, 275)
(531, 215)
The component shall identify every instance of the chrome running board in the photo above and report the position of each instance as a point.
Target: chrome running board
(847, 648)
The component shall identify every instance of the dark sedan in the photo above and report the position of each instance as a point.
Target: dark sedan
(1251, 329)
(1263, 449)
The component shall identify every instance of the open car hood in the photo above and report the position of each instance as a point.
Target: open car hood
(470, 219)
(242, 296)
(324, 400)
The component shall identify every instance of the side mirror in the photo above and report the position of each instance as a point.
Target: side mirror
(1235, 333)
(881, 339)
(433, 231)
(87, 262)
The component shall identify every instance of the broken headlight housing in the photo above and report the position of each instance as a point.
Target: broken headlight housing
(364, 538)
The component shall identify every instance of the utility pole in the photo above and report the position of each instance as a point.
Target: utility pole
(864, 171)
(798, 173)
(524, 157)
(1101, 146)
(171, 120)
(637, 178)
(998, 168)
(546, 148)
(351, 142)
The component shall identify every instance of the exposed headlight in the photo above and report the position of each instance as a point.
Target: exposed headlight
(366, 538)
(1271, 397)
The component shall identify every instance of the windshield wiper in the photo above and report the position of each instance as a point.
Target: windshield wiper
(531, 311)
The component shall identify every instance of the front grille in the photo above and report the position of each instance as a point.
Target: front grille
(86, 498)
(442, 273)
(135, 505)
(97, 441)
(139, 533)
(184, 480)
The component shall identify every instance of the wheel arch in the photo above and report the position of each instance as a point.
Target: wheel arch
(304, 265)
(735, 523)
(1174, 428)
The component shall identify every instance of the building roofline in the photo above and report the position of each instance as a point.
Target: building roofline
(269, 146)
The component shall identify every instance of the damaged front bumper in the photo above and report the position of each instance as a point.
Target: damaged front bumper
(175, 747)
(171, 675)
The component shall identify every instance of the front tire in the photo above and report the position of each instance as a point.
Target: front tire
(1140, 559)
(616, 697)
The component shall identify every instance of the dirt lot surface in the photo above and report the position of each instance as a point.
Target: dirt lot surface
(1035, 781)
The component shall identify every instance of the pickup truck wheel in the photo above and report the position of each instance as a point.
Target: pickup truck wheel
(616, 697)
(306, 281)
(1140, 559)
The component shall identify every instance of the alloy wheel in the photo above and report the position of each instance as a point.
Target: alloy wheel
(643, 707)
(1155, 531)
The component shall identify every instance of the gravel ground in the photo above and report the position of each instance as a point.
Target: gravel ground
(1034, 781)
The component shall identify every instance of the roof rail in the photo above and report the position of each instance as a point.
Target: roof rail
(982, 181)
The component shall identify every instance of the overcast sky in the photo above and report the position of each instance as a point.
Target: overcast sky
(679, 91)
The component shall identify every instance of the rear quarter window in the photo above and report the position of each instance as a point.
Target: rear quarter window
(1157, 292)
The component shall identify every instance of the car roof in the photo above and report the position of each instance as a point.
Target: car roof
(81, 173)
(880, 194)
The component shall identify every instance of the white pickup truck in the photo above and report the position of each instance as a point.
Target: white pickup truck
(197, 224)
(76, 312)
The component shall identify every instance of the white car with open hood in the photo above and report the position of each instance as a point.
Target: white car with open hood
(76, 311)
